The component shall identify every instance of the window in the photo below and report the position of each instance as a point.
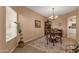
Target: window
(11, 26)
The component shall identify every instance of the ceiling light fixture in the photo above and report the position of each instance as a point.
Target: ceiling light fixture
(53, 16)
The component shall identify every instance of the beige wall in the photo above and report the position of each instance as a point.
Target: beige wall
(27, 19)
(77, 25)
(2, 30)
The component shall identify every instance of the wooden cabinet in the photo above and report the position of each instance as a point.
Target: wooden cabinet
(47, 27)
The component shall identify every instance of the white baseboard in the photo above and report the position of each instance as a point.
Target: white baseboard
(33, 38)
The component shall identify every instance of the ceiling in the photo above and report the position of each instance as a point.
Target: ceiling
(47, 10)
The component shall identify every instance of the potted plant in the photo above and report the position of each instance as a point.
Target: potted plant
(21, 42)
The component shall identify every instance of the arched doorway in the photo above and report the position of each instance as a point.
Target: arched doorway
(71, 27)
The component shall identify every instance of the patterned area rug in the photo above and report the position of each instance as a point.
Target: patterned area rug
(42, 45)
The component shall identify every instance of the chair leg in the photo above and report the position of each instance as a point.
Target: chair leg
(47, 41)
(61, 40)
(53, 44)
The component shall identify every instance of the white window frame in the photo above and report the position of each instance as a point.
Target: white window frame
(11, 26)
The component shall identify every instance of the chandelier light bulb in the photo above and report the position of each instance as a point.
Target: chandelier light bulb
(53, 16)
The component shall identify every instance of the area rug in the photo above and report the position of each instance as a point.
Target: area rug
(42, 45)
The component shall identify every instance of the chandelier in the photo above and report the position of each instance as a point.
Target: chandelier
(53, 17)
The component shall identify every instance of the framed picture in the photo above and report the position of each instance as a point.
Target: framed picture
(37, 24)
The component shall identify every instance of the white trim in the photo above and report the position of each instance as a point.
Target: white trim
(33, 39)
